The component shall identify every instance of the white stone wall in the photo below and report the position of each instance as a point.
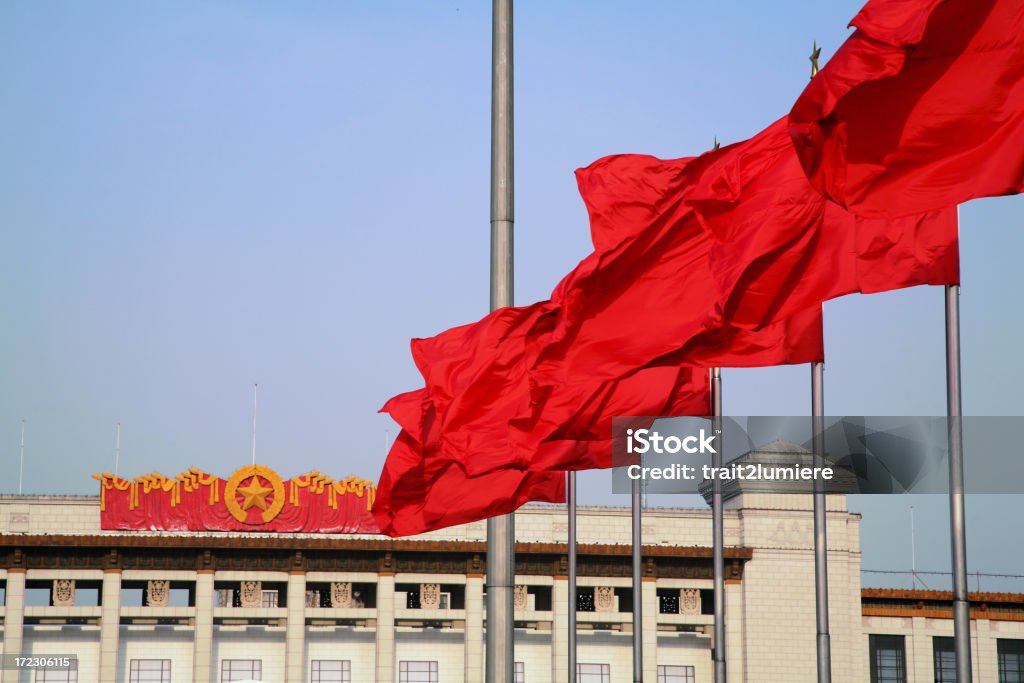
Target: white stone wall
(250, 642)
(83, 641)
(156, 642)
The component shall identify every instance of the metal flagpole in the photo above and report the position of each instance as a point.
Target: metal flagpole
(255, 388)
(913, 550)
(501, 530)
(638, 630)
(718, 530)
(117, 450)
(21, 459)
(571, 499)
(957, 524)
(824, 645)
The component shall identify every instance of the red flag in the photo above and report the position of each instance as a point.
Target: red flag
(779, 247)
(419, 491)
(920, 109)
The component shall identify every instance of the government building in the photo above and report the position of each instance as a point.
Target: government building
(198, 578)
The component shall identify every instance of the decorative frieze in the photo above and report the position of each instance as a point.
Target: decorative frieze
(689, 601)
(430, 596)
(251, 594)
(604, 599)
(520, 598)
(63, 592)
(158, 593)
(341, 594)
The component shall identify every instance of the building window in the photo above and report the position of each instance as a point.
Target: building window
(888, 659)
(1011, 660)
(240, 670)
(676, 674)
(585, 600)
(225, 597)
(331, 671)
(593, 673)
(57, 676)
(945, 659)
(312, 598)
(268, 599)
(149, 671)
(417, 672)
(520, 672)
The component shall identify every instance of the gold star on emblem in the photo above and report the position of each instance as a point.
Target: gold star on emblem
(255, 494)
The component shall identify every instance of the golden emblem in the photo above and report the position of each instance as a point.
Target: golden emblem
(254, 486)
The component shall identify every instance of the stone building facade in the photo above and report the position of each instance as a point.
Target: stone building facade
(208, 607)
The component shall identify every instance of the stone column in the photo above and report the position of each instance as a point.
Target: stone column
(559, 630)
(295, 637)
(14, 619)
(474, 647)
(385, 628)
(649, 602)
(202, 652)
(110, 624)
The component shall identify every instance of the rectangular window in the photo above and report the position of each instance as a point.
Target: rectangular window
(331, 671)
(57, 676)
(312, 598)
(268, 599)
(225, 597)
(888, 659)
(417, 672)
(240, 670)
(676, 674)
(520, 672)
(593, 673)
(944, 659)
(1011, 660)
(149, 671)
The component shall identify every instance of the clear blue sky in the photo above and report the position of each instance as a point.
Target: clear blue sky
(198, 196)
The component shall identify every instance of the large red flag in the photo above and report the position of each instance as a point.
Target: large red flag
(419, 491)
(778, 246)
(921, 108)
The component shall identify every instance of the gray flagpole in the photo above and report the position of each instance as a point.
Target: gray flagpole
(957, 524)
(501, 566)
(824, 645)
(571, 499)
(638, 628)
(718, 530)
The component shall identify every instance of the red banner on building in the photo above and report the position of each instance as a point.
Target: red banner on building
(253, 499)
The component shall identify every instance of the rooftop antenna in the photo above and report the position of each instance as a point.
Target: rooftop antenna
(21, 458)
(117, 450)
(255, 389)
(913, 550)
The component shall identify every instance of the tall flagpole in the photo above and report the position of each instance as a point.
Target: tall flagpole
(255, 388)
(824, 645)
(571, 499)
(501, 530)
(718, 530)
(21, 459)
(823, 642)
(957, 524)
(117, 450)
(638, 621)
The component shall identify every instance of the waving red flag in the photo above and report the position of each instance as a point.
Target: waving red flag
(920, 109)
(778, 246)
(419, 491)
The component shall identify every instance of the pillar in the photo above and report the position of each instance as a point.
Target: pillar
(295, 636)
(560, 630)
(110, 624)
(14, 619)
(474, 647)
(202, 652)
(649, 619)
(385, 628)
